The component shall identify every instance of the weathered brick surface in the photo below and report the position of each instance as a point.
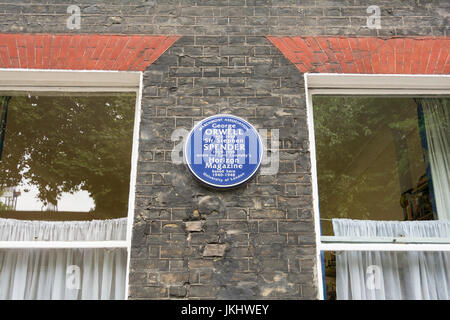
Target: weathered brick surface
(244, 247)
(229, 17)
(223, 63)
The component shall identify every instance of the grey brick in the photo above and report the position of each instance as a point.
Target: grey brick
(223, 63)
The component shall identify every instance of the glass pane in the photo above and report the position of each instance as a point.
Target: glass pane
(65, 157)
(374, 159)
(62, 274)
(375, 275)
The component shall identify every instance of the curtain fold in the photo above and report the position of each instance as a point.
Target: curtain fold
(381, 275)
(62, 274)
(436, 113)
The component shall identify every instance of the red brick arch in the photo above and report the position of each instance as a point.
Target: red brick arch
(416, 55)
(82, 51)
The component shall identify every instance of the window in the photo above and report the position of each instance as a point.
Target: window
(380, 160)
(68, 163)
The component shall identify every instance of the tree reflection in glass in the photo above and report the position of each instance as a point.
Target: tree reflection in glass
(69, 149)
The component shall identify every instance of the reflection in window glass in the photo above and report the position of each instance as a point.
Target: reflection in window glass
(373, 158)
(383, 168)
(70, 154)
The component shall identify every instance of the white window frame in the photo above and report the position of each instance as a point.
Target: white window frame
(82, 81)
(372, 85)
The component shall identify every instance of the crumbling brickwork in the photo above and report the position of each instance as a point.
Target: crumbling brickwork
(256, 241)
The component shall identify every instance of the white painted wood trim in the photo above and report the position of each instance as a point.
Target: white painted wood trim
(441, 247)
(315, 189)
(133, 175)
(81, 89)
(378, 92)
(393, 240)
(378, 81)
(68, 80)
(61, 244)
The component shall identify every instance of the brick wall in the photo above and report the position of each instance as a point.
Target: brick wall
(229, 17)
(265, 225)
(81, 52)
(400, 55)
(256, 241)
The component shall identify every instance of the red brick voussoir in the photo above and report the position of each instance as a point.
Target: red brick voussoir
(82, 51)
(408, 55)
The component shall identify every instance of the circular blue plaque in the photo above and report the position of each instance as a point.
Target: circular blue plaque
(223, 151)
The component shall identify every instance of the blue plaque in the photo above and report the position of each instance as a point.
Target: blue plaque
(223, 151)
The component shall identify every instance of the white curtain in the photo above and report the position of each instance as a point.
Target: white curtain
(381, 275)
(62, 273)
(436, 113)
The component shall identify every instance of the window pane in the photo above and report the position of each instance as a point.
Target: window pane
(65, 157)
(375, 275)
(62, 274)
(374, 159)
